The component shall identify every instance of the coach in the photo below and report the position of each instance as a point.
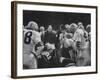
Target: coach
(50, 36)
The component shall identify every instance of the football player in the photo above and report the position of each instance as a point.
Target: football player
(30, 38)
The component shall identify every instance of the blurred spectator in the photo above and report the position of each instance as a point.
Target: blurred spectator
(80, 25)
(88, 28)
(73, 27)
(42, 33)
(67, 27)
(58, 35)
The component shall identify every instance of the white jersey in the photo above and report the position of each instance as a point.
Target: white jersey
(30, 39)
(81, 36)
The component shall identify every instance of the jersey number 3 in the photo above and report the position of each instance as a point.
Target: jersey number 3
(27, 38)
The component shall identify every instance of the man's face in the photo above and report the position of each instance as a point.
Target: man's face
(88, 28)
(67, 28)
(80, 25)
(50, 28)
(73, 27)
(41, 29)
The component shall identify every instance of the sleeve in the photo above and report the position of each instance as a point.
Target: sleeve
(36, 37)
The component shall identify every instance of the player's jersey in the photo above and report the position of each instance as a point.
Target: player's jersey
(30, 39)
(81, 36)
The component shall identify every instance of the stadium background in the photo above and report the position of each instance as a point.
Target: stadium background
(44, 18)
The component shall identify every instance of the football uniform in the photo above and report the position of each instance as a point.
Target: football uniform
(82, 47)
(30, 39)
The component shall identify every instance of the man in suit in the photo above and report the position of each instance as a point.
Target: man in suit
(50, 36)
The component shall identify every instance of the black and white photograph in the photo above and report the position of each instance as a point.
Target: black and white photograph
(53, 39)
(56, 39)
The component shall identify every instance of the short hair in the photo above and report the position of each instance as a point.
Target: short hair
(62, 27)
(42, 28)
(80, 23)
(88, 26)
(73, 25)
(32, 25)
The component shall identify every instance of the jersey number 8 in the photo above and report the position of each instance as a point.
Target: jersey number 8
(27, 38)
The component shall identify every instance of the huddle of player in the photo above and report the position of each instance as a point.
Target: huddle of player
(71, 44)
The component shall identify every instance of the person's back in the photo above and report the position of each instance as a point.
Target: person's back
(31, 38)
